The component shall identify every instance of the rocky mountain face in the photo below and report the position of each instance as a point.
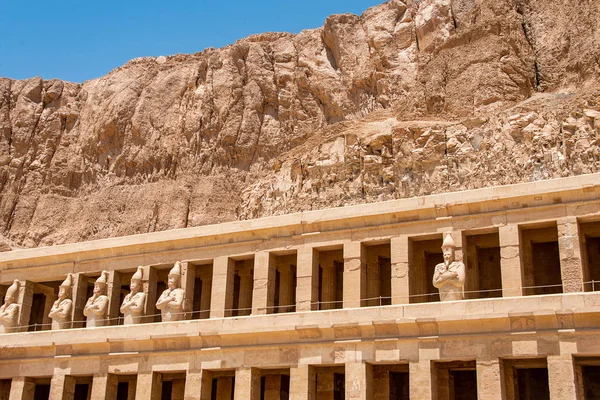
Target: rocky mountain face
(411, 98)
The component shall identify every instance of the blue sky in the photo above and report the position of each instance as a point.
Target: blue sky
(77, 40)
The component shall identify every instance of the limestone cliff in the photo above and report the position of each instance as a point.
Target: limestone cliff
(407, 99)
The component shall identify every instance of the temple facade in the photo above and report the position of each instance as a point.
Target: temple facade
(485, 294)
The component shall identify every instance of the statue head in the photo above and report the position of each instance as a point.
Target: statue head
(100, 284)
(174, 281)
(12, 293)
(448, 248)
(136, 280)
(64, 290)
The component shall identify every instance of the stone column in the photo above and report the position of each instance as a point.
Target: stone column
(148, 387)
(113, 291)
(247, 384)
(302, 383)
(355, 274)
(400, 263)
(569, 249)
(510, 263)
(188, 280)
(79, 297)
(359, 377)
(222, 287)
(561, 378)
(490, 382)
(62, 387)
(25, 301)
(264, 283)
(104, 386)
(21, 389)
(420, 380)
(193, 385)
(151, 295)
(272, 387)
(224, 388)
(307, 279)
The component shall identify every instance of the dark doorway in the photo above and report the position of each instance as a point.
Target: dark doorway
(463, 385)
(123, 391)
(339, 386)
(399, 386)
(532, 384)
(41, 392)
(82, 391)
(36, 319)
(591, 382)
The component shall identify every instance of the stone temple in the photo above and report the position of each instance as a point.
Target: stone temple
(484, 294)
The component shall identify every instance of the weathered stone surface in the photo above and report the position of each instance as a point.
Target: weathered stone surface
(447, 93)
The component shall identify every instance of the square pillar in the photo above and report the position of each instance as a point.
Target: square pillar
(188, 280)
(79, 297)
(510, 261)
(150, 289)
(420, 380)
(263, 295)
(194, 386)
(355, 274)
(247, 384)
(302, 383)
(307, 279)
(21, 389)
(62, 387)
(104, 386)
(490, 380)
(25, 301)
(569, 250)
(222, 287)
(359, 378)
(113, 291)
(148, 387)
(400, 263)
(561, 378)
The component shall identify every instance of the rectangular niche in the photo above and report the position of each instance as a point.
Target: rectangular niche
(243, 285)
(331, 278)
(274, 384)
(589, 233)
(379, 274)
(526, 379)
(285, 283)
(482, 262)
(330, 382)
(391, 382)
(125, 387)
(456, 380)
(200, 304)
(424, 254)
(541, 260)
(218, 385)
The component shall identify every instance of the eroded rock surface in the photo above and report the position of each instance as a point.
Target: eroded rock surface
(408, 99)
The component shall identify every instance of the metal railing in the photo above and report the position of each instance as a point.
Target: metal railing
(588, 286)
